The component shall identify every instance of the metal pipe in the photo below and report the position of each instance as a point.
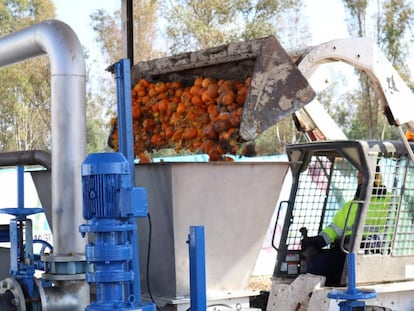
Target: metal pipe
(68, 76)
(127, 18)
(68, 114)
(65, 296)
(27, 157)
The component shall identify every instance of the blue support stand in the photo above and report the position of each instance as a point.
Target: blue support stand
(196, 243)
(351, 297)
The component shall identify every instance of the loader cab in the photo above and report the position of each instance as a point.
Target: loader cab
(324, 178)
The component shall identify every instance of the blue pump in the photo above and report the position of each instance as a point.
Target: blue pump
(111, 205)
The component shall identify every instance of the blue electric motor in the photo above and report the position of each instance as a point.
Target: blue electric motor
(110, 206)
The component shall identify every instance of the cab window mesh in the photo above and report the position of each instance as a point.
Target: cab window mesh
(380, 220)
(328, 183)
(321, 190)
(403, 241)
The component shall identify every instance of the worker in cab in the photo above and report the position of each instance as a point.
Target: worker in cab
(329, 262)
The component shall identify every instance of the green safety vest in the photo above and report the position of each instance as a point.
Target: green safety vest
(376, 218)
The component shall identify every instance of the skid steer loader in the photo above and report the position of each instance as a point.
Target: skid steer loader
(324, 178)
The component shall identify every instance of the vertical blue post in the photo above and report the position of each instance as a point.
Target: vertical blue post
(20, 187)
(352, 297)
(196, 243)
(125, 127)
(126, 147)
(351, 273)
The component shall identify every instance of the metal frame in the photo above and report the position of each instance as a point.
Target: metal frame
(363, 155)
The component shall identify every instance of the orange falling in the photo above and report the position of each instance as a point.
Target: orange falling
(203, 117)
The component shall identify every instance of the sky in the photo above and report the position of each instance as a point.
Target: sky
(76, 14)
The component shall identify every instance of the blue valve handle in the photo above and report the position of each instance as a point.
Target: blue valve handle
(21, 211)
(38, 263)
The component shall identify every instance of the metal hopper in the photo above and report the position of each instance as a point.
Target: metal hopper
(233, 201)
(277, 89)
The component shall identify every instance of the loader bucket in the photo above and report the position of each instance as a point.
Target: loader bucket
(277, 88)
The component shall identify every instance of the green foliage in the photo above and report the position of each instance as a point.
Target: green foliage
(357, 10)
(25, 104)
(390, 25)
(25, 87)
(276, 137)
(194, 25)
(107, 27)
(397, 21)
(199, 24)
(108, 33)
(96, 129)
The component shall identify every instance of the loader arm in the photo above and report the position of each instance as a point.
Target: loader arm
(361, 53)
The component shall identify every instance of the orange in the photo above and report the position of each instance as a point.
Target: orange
(196, 100)
(190, 133)
(176, 85)
(213, 111)
(206, 99)
(212, 90)
(143, 158)
(178, 92)
(198, 81)
(207, 81)
(155, 139)
(163, 106)
(227, 98)
(196, 144)
(135, 112)
(148, 124)
(143, 82)
(181, 108)
(160, 87)
(152, 92)
(169, 132)
(186, 96)
(195, 89)
(209, 132)
(155, 108)
(172, 106)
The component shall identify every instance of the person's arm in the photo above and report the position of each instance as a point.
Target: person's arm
(329, 234)
(336, 228)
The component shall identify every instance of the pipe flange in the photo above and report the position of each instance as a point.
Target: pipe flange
(64, 277)
(63, 258)
(14, 287)
(64, 267)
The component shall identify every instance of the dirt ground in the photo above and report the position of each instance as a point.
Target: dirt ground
(261, 282)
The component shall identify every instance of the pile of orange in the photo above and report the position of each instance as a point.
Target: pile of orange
(204, 117)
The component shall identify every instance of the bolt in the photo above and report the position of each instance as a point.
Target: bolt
(3, 284)
(16, 302)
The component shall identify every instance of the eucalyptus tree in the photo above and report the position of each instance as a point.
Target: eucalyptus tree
(388, 23)
(25, 87)
(172, 27)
